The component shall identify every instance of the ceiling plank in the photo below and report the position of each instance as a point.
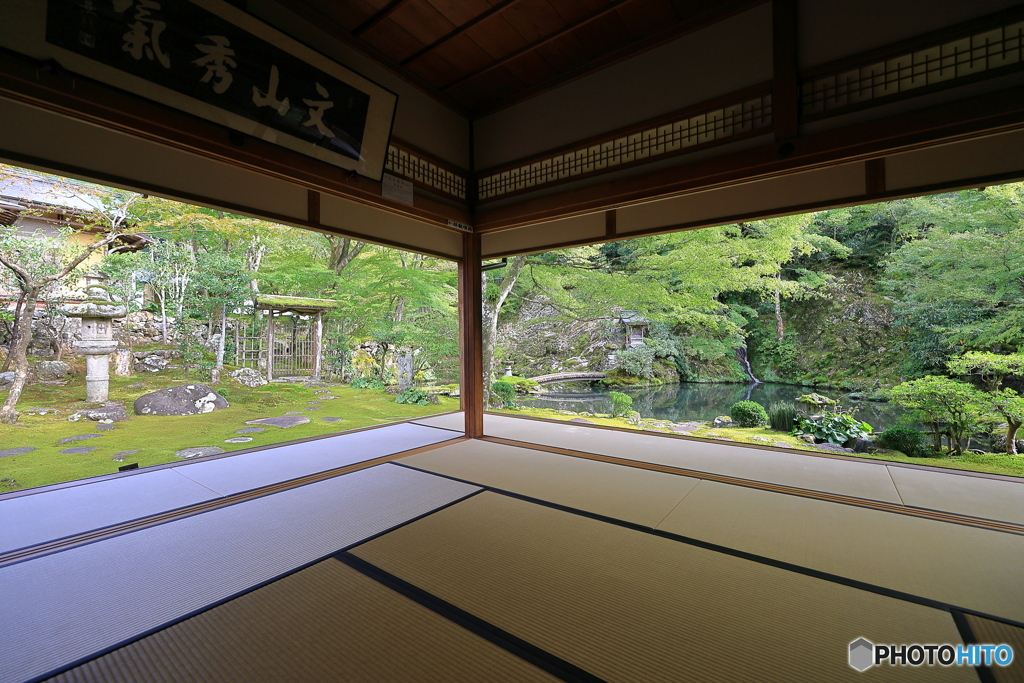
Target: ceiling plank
(378, 17)
(533, 46)
(459, 30)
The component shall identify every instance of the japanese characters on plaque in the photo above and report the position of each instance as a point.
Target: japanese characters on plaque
(185, 47)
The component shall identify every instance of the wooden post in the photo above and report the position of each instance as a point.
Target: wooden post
(318, 339)
(270, 346)
(471, 335)
(785, 80)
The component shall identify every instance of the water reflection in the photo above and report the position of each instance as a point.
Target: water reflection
(692, 401)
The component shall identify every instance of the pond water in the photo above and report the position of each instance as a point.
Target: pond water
(693, 401)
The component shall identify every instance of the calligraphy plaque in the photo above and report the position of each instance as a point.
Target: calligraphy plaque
(212, 60)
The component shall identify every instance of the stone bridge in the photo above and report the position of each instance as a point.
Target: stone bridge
(569, 377)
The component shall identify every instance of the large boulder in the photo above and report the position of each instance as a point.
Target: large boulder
(248, 377)
(188, 399)
(52, 370)
(109, 412)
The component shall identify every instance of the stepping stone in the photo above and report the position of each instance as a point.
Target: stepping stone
(283, 422)
(783, 445)
(80, 449)
(312, 408)
(16, 451)
(313, 403)
(250, 430)
(239, 439)
(581, 421)
(105, 428)
(119, 457)
(332, 419)
(290, 412)
(79, 437)
(327, 398)
(322, 391)
(198, 452)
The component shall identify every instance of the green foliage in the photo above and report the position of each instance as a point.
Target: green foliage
(949, 406)
(907, 440)
(621, 403)
(414, 396)
(504, 392)
(748, 414)
(367, 383)
(815, 402)
(637, 361)
(832, 428)
(782, 416)
(991, 368)
(522, 384)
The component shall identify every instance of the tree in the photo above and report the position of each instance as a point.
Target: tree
(1010, 405)
(992, 369)
(37, 262)
(946, 405)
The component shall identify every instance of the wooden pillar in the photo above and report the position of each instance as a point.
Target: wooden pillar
(318, 344)
(785, 80)
(471, 335)
(270, 346)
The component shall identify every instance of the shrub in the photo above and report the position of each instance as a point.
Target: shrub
(505, 392)
(621, 403)
(782, 416)
(748, 414)
(522, 384)
(637, 361)
(907, 440)
(367, 383)
(414, 396)
(832, 427)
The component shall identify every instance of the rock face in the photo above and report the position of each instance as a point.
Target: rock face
(248, 377)
(189, 399)
(52, 370)
(6, 379)
(111, 412)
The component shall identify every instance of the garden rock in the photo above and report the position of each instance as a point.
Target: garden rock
(152, 363)
(79, 437)
(104, 427)
(52, 370)
(833, 448)
(782, 445)
(332, 419)
(724, 421)
(313, 403)
(283, 422)
(808, 438)
(188, 399)
(6, 378)
(110, 412)
(7, 452)
(862, 445)
(581, 421)
(238, 439)
(41, 411)
(248, 377)
(119, 457)
(79, 450)
(198, 452)
(292, 412)
(250, 430)
(313, 408)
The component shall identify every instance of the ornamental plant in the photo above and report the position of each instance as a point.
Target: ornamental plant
(413, 396)
(907, 440)
(782, 416)
(748, 414)
(832, 428)
(504, 392)
(621, 403)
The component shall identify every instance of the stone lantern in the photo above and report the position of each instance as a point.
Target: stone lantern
(97, 313)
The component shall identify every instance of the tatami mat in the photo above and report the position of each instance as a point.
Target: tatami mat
(924, 557)
(324, 623)
(860, 480)
(996, 632)
(49, 515)
(454, 421)
(634, 495)
(61, 607)
(967, 495)
(271, 466)
(630, 606)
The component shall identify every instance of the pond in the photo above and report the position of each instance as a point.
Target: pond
(693, 401)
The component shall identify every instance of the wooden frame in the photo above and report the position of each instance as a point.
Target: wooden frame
(471, 335)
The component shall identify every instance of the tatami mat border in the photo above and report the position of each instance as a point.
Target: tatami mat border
(58, 545)
(774, 449)
(542, 659)
(725, 550)
(985, 673)
(926, 513)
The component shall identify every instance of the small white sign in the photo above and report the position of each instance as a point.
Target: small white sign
(460, 226)
(396, 189)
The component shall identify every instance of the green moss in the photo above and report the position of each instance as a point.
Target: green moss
(157, 438)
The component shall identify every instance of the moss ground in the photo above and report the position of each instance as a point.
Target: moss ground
(993, 463)
(158, 438)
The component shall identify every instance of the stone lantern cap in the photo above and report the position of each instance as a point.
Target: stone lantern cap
(98, 305)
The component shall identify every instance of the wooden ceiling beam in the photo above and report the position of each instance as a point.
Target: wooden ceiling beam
(459, 30)
(375, 19)
(568, 28)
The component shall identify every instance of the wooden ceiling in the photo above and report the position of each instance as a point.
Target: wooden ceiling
(481, 55)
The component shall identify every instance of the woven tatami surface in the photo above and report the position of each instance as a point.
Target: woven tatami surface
(325, 623)
(990, 631)
(630, 606)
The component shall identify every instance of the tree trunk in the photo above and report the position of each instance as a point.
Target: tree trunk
(1011, 437)
(124, 362)
(163, 313)
(19, 355)
(222, 345)
(15, 332)
(780, 326)
(491, 310)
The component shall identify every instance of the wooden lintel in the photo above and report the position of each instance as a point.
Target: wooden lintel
(963, 119)
(313, 207)
(610, 223)
(471, 335)
(874, 176)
